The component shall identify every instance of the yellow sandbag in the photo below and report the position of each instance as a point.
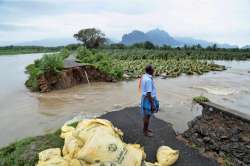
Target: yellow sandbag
(51, 157)
(166, 156)
(134, 155)
(102, 146)
(71, 146)
(131, 155)
(57, 161)
(66, 131)
(49, 154)
(67, 128)
(73, 162)
(87, 128)
(94, 142)
(92, 123)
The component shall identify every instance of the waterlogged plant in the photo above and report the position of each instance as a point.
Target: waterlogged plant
(49, 63)
(166, 68)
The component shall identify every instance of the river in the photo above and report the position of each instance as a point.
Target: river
(24, 113)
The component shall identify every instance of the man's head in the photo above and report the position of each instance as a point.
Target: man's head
(149, 69)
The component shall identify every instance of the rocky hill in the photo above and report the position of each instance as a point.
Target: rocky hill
(161, 37)
(156, 36)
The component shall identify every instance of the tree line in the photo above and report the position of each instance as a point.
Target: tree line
(93, 38)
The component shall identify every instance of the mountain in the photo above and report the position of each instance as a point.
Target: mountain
(51, 42)
(156, 36)
(161, 37)
(225, 45)
(246, 47)
(134, 37)
(191, 41)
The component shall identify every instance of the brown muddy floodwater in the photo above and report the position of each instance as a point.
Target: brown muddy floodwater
(24, 113)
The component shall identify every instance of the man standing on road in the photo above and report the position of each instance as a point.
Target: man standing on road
(149, 102)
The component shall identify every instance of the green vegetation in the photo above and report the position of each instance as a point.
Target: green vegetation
(166, 68)
(199, 99)
(166, 52)
(12, 50)
(128, 63)
(49, 63)
(228, 161)
(101, 60)
(117, 62)
(25, 152)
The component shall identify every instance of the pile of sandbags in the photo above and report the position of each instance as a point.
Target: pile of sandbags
(96, 142)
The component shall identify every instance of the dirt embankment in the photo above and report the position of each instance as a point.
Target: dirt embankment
(223, 134)
(70, 77)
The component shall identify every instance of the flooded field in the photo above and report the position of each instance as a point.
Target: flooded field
(24, 113)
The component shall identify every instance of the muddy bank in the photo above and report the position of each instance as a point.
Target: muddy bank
(71, 76)
(223, 132)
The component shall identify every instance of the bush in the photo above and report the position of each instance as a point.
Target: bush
(52, 63)
(85, 55)
(199, 99)
(104, 63)
(64, 53)
(34, 72)
(101, 60)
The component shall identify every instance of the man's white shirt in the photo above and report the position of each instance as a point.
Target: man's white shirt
(147, 85)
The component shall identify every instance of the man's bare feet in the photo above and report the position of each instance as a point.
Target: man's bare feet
(148, 134)
(150, 131)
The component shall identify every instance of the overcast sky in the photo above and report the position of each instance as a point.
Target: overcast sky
(224, 21)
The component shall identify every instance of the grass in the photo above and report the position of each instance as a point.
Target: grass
(228, 161)
(199, 99)
(25, 152)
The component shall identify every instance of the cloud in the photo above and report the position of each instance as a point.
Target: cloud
(221, 21)
(14, 27)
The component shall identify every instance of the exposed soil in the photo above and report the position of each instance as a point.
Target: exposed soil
(70, 77)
